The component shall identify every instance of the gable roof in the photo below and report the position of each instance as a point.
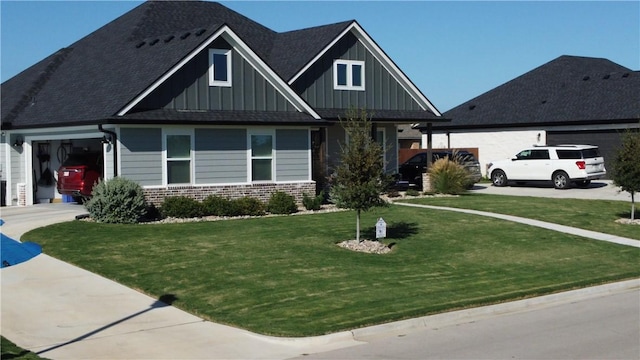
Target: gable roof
(96, 79)
(568, 90)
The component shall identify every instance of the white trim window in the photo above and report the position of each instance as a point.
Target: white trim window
(178, 156)
(220, 67)
(261, 153)
(348, 74)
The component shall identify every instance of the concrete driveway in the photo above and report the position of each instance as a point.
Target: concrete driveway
(597, 190)
(20, 219)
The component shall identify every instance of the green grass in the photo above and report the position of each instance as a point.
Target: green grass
(595, 215)
(12, 351)
(285, 275)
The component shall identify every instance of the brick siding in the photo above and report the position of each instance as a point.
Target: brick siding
(258, 191)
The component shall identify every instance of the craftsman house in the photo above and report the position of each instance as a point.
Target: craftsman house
(192, 98)
(569, 100)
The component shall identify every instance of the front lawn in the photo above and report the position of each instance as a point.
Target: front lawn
(594, 215)
(285, 275)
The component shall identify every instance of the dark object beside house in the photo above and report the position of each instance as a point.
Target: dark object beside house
(410, 172)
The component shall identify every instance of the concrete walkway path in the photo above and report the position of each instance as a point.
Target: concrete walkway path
(63, 312)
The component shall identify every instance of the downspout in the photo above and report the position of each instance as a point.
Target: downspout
(115, 148)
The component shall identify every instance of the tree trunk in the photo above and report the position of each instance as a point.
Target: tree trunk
(633, 207)
(358, 225)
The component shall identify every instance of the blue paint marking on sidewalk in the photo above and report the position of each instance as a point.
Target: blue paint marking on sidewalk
(15, 252)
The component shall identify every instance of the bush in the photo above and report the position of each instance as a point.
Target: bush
(181, 207)
(281, 203)
(313, 203)
(218, 206)
(118, 200)
(249, 206)
(448, 177)
(412, 192)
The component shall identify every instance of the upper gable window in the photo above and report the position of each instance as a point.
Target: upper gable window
(219, 67)
(348, 75)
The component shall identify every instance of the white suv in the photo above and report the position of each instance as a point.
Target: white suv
(562, 164)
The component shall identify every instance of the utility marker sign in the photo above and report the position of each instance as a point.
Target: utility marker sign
(381, 229)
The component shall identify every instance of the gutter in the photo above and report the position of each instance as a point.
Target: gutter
(115, 147)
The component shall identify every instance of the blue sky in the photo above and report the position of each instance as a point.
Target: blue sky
(453, 50)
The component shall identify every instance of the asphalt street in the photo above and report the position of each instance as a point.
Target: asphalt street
(605, 327)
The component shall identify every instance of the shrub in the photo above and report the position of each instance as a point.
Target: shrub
(181, 207)
(393, 193)
(249, 206)
(118, 200)
(312, 203)
(412, 192)
(218, 206)
(448, 177)
(281, 203)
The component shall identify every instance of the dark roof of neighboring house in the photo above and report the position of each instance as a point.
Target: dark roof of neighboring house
(95, 77)
(568, 90)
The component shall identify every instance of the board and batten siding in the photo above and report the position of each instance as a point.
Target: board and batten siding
(292, 155)
(382, 91)
(141, 155)
(220, 156)
(188, 88)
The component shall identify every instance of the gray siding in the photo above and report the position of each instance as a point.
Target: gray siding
(188, 88)
(141, 155)
(292, 155)
(17, 166)
(221, 156)
(382, 91)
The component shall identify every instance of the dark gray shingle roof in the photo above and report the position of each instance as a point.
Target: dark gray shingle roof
(94, 78)
(566, 90)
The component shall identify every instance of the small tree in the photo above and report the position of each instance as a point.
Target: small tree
(626, 166)
(359, 179)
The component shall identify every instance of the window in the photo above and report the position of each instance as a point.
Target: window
(219, 67)
(348, 75)
(261, 152)
(178, 160)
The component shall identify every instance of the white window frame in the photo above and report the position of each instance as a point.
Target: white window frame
(349, 64)
(165, 159)
(212, 70)
(250, 157)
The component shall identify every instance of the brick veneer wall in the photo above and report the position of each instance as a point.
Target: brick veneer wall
(258, 191)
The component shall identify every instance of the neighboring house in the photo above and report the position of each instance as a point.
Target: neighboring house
(569, 100)
(192, 98)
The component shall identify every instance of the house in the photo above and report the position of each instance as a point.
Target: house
(569, 100)
(192, 98)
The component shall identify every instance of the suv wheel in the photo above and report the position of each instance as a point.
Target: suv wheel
(499, 178)
(561, 180)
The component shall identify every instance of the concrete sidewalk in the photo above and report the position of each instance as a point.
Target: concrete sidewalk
(63, 312)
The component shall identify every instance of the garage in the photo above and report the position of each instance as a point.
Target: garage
(607, 140)
(33, 158)
(47, 156)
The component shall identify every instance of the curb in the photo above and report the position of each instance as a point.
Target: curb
(479, 313)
